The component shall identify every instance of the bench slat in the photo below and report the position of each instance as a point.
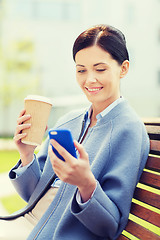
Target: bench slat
(122, 237)
(151, 121)
(153, 129)
(140, 232)
(150, 179)
(153, 163)
(145, 214)
(147, 197)
(155, 145)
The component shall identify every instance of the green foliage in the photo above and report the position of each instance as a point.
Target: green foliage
(18, 71)
(12, 65)
(19, 76)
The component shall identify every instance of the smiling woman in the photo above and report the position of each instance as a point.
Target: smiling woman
(90, 196)
(102, 59)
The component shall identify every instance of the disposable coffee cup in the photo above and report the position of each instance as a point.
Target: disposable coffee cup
(39, 108)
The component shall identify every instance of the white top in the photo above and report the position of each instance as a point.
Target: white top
(39, 98)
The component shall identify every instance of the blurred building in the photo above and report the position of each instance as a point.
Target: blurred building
(36, 38)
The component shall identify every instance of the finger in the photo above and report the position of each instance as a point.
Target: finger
(22, 113)
(22, 127)
(18, 137)
(57, 163)
(62, 151)
(81, 150)
(51, 153)
(23, 118)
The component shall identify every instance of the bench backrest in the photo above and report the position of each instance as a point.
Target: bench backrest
(144, 219)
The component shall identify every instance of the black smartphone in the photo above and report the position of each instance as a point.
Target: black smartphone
(64, 138)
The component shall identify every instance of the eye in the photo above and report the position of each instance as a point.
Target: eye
(81, 71)
(100, 69)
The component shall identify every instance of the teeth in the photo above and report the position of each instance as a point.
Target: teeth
(93, 89)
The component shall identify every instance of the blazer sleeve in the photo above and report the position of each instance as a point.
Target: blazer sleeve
(26, 182)
(107, 212)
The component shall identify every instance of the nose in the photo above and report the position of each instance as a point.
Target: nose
(91, 78)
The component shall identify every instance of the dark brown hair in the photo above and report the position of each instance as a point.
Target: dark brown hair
(107, 37)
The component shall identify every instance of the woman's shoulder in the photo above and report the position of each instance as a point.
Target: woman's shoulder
(126, 114)
(125, 119)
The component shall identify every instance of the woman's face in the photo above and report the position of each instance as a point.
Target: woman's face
(98, 74)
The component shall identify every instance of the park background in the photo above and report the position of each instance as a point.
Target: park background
(36, 39)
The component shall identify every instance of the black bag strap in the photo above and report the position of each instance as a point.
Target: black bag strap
(29, 206)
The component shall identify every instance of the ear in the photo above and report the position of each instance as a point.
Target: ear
(124, 68)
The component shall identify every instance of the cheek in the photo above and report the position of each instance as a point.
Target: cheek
(80, 81)
(109, 84)
(105, 80)
(110, 79)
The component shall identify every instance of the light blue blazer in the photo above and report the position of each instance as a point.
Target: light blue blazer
(118, 146)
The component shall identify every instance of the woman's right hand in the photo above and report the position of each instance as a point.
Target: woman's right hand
(26, 151)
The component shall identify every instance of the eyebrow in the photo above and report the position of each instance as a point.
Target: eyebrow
(79, 65)
(96, 64)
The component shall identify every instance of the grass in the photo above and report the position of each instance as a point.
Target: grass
(12, 203)
(7, 160)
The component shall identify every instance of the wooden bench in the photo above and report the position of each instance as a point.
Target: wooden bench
(144, 218)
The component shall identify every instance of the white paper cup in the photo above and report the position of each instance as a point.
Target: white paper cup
(39, 108)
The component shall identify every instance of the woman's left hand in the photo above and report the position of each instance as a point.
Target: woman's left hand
(73, 171)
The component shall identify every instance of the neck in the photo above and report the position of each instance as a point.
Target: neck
(98, 108)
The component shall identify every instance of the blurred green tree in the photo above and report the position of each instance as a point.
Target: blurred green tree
(18, 76)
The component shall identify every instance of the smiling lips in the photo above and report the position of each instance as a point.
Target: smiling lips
(94, 90)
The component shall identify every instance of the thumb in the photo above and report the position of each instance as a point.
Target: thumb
(82, 153)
